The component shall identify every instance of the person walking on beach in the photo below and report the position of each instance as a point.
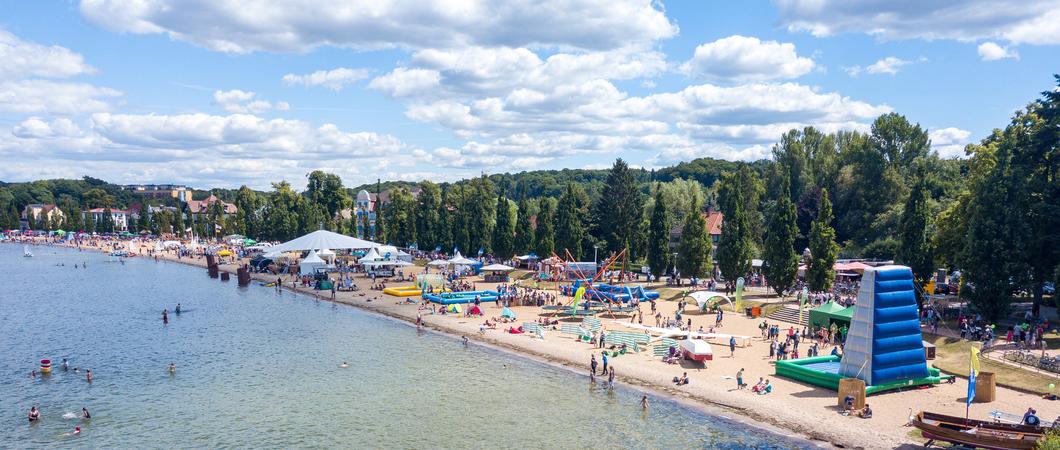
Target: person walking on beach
(739, 379)
(603, 358)
(592, 363)
(732, 346)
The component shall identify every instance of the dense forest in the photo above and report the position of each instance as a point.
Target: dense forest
(881, 194)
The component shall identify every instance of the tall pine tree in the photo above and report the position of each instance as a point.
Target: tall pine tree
(504, 229)
(914, 248)
(820, 272)
(524, 230)
(569, 230)
(619, 211)
(693, 254)
(658, 235)
(544, 233)
(780, 262)
(736, 245)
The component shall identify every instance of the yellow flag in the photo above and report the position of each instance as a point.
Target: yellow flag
(975, 359)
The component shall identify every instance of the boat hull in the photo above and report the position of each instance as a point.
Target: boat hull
(988, 435)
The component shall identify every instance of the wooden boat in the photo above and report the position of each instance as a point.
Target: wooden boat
(976, 433)
(696, 350)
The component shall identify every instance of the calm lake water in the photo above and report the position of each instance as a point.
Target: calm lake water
(257, 368)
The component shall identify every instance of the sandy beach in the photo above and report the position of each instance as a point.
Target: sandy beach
(797, 408)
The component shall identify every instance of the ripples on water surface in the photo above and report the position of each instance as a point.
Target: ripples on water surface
(257, 368)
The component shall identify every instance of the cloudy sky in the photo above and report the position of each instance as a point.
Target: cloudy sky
(226, 92)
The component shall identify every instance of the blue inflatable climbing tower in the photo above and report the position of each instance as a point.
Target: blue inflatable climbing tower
(884, 344)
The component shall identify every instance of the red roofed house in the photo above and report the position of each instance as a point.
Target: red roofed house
(203, 206)
(713, 220)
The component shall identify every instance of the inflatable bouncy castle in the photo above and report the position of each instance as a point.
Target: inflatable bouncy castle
(884, 346)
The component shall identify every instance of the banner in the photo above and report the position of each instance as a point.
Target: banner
(739, 293)
(802, 301)
(973, 372)
(577, 298)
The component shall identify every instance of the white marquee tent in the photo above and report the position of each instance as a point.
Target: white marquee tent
(311, 263)
(323, 239)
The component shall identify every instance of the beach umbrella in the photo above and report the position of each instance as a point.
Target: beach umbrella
(507, 313)
(454, 309)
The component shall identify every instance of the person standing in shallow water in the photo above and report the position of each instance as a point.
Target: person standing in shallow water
(165, 317)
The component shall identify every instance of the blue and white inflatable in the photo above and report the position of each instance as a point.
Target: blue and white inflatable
(884, 343)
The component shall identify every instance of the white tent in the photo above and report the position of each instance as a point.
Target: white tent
(704, 297)
(326, 255)
(372, 255)
(324, 239)
(438, 263)
(393, 252)
(311, 263)
(460, 260)
(497, 268)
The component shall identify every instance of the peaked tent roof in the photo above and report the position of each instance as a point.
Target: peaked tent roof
(497, 268)
(313, 258)
(324, 239)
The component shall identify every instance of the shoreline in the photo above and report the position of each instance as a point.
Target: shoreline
(700, 404)
(795, 409)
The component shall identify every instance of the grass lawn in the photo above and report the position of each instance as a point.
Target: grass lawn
(952, 355)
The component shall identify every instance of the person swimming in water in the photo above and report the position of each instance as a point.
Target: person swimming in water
(66, 365)
(344, 365)
(178, 309)
(172, 368)
(644, 402)
(88, 375)
(165, 317)
(34, 414)
(84, 414)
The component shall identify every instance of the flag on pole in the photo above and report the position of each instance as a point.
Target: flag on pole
(973, 372)
(802, 300)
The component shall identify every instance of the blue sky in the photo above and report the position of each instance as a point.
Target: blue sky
(224, 93)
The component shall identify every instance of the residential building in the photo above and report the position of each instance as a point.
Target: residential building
(177, 191)
(120, 218)
(35, 211)
(201, 207)
(713, 220)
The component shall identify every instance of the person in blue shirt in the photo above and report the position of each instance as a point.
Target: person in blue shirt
(603, 358)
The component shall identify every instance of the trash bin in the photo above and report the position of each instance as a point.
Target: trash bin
(748, 311)
(756, 311)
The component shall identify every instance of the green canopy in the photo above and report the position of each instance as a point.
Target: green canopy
(826, 314)
(59, 232)
(249, 241)
(126, 233)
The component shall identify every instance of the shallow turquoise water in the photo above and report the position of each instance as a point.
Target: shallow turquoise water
(257, 368)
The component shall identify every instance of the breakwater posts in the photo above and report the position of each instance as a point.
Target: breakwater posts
(211, 266)
(243, 275)
(225, 276)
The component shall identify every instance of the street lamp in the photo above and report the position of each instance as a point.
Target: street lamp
(595, 248)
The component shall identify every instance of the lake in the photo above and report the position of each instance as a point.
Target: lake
(257, 368)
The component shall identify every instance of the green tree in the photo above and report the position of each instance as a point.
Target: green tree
(524, 229)
(780, 262)
(914, 249)
(479, 214)
(179, 228)
(144, 221)
(428, 224)
(545, 239)
(618, 212)
(820, 272)
(325, 189)
(106, 223)
(400, 213)
(90, 221)
(246, 221)
(659, 234)
(693, 254)
(736, 245)
(504, 229)
(570, 233)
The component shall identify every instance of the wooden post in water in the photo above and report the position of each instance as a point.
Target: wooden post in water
(243, 275)
(211, 266)
(225, 276)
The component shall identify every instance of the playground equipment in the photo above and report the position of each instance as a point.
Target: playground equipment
(453, 298)
(608, 293)
(884, 346)
(403, 291)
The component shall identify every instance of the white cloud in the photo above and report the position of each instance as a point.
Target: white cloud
(21, 59)
(949, 142)
(990, 51)
(231, 26)
(334, 79)
(404, 82)
(37, 96)
(237, 101)
(1015, 21)
(889, 66)
(39, 128)
(742, 58)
